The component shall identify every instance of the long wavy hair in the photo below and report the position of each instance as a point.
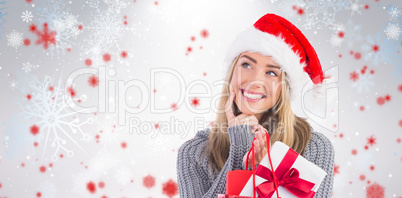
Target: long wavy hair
(283, 125)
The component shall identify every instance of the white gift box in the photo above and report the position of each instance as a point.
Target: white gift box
(307, 171)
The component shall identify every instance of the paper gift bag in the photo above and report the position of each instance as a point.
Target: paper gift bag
(295, 175)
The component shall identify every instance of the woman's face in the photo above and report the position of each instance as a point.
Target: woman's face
(257, 82)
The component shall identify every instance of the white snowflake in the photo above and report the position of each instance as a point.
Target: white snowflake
(393, 31)
(354, 7)
(27, 16)
(27, 67)
(336, 41)
(338, 27)
(14, 39)
(159, 145)
(394, 12)
(323, 12)
(364, 82)
(107, 28)
(353, 33)
(58, 124)
(123, 175)
(13, 85)
(115, 5)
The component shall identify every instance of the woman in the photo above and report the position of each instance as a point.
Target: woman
(269, 64)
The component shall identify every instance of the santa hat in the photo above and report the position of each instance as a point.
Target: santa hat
(275, 36)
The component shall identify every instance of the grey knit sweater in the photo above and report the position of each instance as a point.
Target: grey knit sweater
(195, 181)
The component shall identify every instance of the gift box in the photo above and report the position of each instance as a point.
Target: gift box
(295, 175)
(231, 196)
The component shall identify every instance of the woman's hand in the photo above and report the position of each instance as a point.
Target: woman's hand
(260, 148)
(240, 119)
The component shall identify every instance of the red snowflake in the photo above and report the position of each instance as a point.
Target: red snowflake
(336, 169)
(300, 11)
(148, 181)
(45, 37)
(376, 48)
(387, 97)
(93, 81)
(32, 28)
(204, 33)
(195, 102)
(354, 76)
(174, 106)
(170, 188)
(71, 91)
(375, 191)
(371, 140)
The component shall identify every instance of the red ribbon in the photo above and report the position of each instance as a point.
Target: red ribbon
(286, 176)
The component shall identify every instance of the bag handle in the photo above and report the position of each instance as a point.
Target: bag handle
(270, 162)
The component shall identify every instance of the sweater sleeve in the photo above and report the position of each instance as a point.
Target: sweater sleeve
(320, 151)
(193, 181)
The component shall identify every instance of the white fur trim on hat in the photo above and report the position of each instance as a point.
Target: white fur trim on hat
(254, 40)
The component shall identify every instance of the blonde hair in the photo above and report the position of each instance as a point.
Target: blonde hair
(280, 121)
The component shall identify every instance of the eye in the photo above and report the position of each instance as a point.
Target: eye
(245, 64)
(271, 73)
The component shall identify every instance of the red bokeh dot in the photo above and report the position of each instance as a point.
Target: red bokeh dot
(398, 140)
(50, 165)
(38, 194)
(361, 108)
(358, 56)
(101, 184)
(366, 7)
(106, 57)
(35, 144)
(88, 62)
(123, 54)
(156, 3)
(362, 177)
(340, 55)
(27, 42)
(366, 147)
(42, 169)
(28, 1)
(34, 129)
(371, 71)
(372, 167)
(341, 34)
(354, 152)
(91, 187)
(380, 100)
(400, 88)
(400, 123)
(22, 164)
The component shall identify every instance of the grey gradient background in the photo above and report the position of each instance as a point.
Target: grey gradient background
(157, 35)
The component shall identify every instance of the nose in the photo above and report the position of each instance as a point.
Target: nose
(257, 81)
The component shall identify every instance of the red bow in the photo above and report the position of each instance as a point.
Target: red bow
(287, 177)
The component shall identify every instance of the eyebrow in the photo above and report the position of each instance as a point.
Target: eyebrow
(254, 61)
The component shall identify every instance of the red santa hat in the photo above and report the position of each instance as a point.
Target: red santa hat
(275, 36)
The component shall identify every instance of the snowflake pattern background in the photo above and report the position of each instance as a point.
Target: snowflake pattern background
(63, 87)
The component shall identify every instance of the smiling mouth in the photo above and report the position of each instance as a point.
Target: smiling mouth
(252, 96)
